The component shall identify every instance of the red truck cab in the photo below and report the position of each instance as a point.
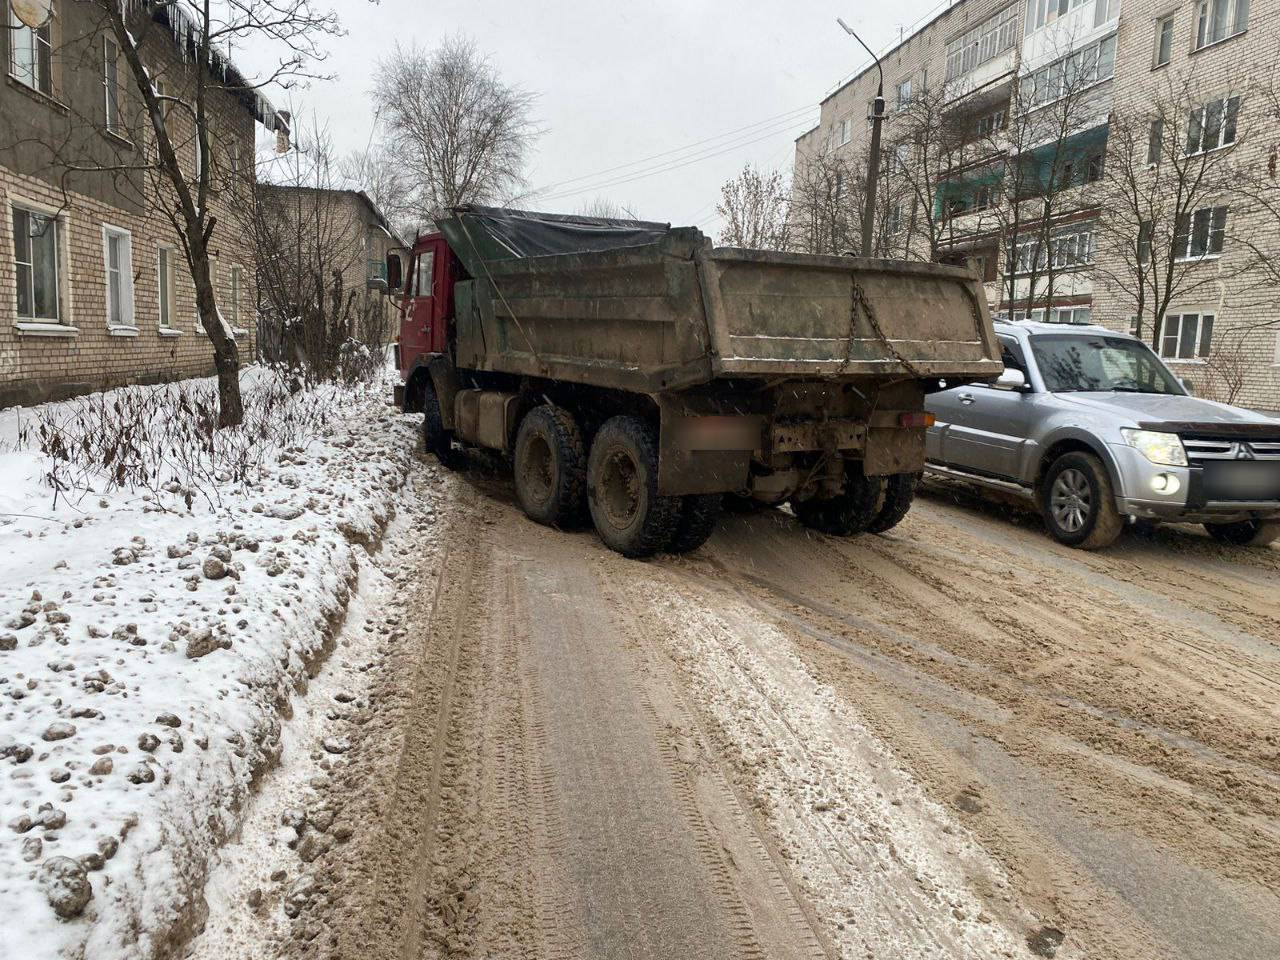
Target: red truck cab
(426, 308)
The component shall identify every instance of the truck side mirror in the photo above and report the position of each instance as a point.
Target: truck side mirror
(395, 277)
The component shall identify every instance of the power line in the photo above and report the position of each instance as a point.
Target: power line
(789, 115)
(720, 150)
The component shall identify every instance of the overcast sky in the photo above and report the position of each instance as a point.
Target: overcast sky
(618, 82)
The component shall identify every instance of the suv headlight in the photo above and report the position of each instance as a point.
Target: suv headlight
(1162, 448)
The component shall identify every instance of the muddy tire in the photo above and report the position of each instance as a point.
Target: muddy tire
(622, 489)
(435, 438)
(550, 463)
(899, 492)
(850, 513)
(1245, 533)
(1078, 502)
(699, 514)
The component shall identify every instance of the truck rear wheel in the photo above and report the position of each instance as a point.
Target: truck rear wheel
(1245, 533)
(849, 513)
(550, 467)
(899, 492)
(622, 489)
(699, 514)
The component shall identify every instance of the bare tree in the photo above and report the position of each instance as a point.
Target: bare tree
(1170, 178)
(754, 208)
(826, 203)
(460, 132)
(1052, 151)
(318, 316)
(386, 182)
(202, 31)
(607, 209)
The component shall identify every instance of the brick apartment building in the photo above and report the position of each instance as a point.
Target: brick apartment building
(326, 230)
(1037, 92)
(94, 288)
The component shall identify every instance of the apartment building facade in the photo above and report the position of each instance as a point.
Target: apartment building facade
(322, 231)
(94, 287)
(1021, 102)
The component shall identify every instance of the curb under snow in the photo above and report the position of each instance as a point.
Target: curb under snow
(103, 672)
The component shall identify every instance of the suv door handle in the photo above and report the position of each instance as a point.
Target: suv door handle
(966, 398)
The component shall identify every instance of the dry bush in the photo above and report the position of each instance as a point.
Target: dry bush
(165, 440)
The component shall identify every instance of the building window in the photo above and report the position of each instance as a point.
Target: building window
(1070, 248)
(1213, 125)
(895, 219)
(1091, 64)
(111, 83)
(1076, 315)
(1155, 141)
(1200, 234)
(1164, 40)
(236, 285)
(1105, 10)
(168, 285)
(984, 42)
(1185, 336)
(1041, 12)
(1144, 241)
(30, 54)
(118, 258)
(904, 94)
(990, 123)
(1218, 19)
(844, 133)
(37, 258)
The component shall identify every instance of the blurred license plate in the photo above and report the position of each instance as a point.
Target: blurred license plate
(1242, 480)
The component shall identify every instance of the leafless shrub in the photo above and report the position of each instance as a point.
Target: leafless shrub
(165, 440)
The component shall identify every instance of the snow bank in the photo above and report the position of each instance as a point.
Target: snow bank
(147, 659)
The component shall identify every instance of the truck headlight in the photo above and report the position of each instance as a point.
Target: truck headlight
(1162, 448)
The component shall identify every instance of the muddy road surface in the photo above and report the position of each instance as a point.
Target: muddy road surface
(955, 740)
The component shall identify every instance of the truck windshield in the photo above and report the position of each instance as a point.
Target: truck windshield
(1073, 363)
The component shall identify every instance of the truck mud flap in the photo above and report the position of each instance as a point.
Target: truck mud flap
(705, 453)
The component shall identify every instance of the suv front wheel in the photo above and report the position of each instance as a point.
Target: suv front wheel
(1078, 502)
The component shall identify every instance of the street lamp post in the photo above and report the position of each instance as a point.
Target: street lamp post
(873, 163)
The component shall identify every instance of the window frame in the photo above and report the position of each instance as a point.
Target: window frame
(110, 232)
(166, 287)
(58, 222)
(1228, 120)
(1202, 338)
(236, 289)
(111, 87)
(1189, 226)
(1162, 24)
(1201, 35)
(40, 78)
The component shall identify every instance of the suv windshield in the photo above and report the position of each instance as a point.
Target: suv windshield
(1073, 363)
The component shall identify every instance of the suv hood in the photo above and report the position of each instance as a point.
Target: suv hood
(1152, 408)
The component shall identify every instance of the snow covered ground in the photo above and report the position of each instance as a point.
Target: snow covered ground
(149, 651)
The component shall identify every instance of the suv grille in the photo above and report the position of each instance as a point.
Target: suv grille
(1202, 449)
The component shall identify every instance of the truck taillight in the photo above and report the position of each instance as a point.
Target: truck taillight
(915, 419)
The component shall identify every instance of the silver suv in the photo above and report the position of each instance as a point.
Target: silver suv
(1091, 426)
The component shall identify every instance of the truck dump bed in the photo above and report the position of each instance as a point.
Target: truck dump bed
(641, 306)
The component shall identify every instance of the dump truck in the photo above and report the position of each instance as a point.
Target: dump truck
(638, 375)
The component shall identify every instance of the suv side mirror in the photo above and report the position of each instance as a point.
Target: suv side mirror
(1188, 386)
(1011, 379)
(394, 274)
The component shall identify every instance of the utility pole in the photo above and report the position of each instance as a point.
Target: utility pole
(873, 164)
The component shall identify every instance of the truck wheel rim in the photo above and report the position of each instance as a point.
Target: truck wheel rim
(620, 489)
(537, 474)
(1070, 500)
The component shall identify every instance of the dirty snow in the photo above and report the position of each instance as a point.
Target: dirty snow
(147, 659)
